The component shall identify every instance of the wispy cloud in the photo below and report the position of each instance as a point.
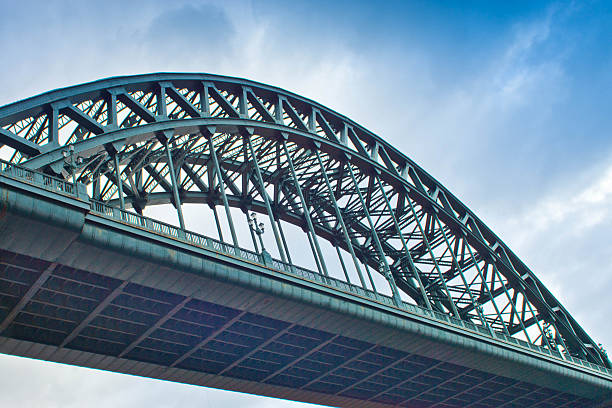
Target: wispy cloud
(563, 237)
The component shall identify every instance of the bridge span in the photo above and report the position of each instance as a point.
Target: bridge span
(421, 306)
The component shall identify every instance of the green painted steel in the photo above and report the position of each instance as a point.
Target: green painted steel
(147, 140)
(116, 243)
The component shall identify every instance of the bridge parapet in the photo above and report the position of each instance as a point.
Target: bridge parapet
(78, 191)
(43, 180)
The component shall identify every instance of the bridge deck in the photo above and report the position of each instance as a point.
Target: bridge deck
(80, 288)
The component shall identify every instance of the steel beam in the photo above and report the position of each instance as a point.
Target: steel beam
(94, 313)
(264, 195)
(221, 183)
(159, 323)
(208, 339)
(381, 254)
(23, 301)
(342, 365)
(512, 305)
(136, 107)
(217, 223)
(433, 258)
(302, 357)
(506, 388)
(119, 181)
(82, 119)
(260, 347)
(404, 244)
(453, 378)
(347, 238)
(346, 275)
(18, 143)
(319, 259)
(460, 271)
(486, 286)
(181, 101)
(177, 200)
(464, 391)
(282, 235)
(404, 381)
(512, 401)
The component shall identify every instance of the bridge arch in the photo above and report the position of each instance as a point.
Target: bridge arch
(226, 142)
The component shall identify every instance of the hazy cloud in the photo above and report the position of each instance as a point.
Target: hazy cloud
(203, 32)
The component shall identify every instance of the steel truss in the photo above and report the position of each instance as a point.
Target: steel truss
(232, 143)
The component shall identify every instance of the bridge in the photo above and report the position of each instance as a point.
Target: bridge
(372, 285)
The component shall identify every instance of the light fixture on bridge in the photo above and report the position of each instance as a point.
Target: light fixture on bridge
(257, 228)
(71, 161)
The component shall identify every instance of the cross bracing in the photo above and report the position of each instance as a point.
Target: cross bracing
(235, 144)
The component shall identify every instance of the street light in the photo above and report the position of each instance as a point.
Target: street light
(69, 158)
(549, 334)
(257, 228)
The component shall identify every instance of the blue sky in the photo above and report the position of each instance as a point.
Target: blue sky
(507, 103)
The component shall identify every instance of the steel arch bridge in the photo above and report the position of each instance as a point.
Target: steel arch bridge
(396, 235)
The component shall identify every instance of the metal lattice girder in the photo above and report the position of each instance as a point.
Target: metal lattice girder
(198, 138)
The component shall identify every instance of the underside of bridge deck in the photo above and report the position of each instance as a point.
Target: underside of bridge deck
(75, 310)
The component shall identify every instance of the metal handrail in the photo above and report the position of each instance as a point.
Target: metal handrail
(38, 178)
(58, 185)
(222, 247)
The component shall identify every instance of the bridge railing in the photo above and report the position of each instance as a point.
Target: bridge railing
(219, 246)
(35, 177)
(225, 248)
(58, 185)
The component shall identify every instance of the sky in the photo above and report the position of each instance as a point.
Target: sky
(507, 104)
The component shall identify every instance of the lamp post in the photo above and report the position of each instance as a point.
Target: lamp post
(549, 334)
(69, 158)
(257, 228)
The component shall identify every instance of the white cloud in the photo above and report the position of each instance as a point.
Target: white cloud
(576, 212)
(34, 384)
(563, 237)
